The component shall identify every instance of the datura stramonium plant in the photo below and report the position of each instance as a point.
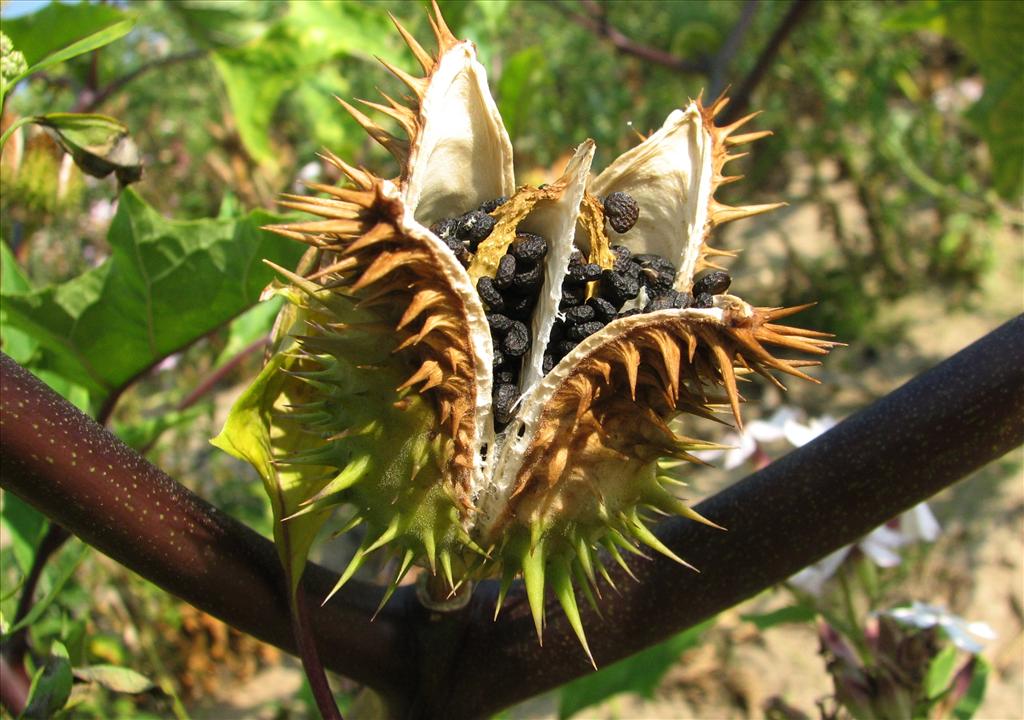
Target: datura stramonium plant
(486, 377)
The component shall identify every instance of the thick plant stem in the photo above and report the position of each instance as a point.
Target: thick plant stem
(82, 477)
(923, 437)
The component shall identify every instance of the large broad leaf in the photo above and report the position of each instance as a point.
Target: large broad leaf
(638, 674)
(166, 284)
(57, 26)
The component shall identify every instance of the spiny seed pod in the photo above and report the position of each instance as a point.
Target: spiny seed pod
(526, 453)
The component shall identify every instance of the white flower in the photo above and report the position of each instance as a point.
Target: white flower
(881, 545)
(799, 435)
(918, 523)
(962, 633)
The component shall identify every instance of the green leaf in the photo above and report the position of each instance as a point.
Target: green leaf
(60, 570)
(971, 701)
(295, 51)
(58, 25)
(991, 33)
(25, 526)
(940, 672)
(215, 23)
(99, 144)
(638, 674)
(112, 677)
(789, 614)
(166, 284)
(51, 686)
(87, 44)
(256, 77)
(20, 345)
(142, 433)
(520, 81)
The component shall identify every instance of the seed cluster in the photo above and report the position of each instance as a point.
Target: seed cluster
(463, 234)
(592, 296)
(511, 297)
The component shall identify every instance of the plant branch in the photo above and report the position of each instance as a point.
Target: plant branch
(741, 97)
(91, 99)
(936, 429)
(719, 65)
(921, 438)
(305, 639)
(596, 22)
(14, 687)
(82, 477)
(211, 380)
(16, 646)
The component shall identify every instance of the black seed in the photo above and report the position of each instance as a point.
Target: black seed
(572, 295)
(460, 251)
(474, 227)
(603, 310)
(562, 348)
(504, 376)
(445, 228)
(671, 299)
(505, 397)
(622, 257)
(654, 262)
(528, 281)
(489, 294)
(528, 247)
(548, 363)
(499, 323)
(578, 332)
(621, 211)
(575, 258)
(659, 303)
(617, 288)
(628, 313)
(499, 359)
(582, 273)
(714, 283)
(704, 300)
(632, 270)
(557, 332)
(520, 307)
(579, 315)
(682, 300)
(517, 341)
(506, 272)
(657, 282)
(492, 205)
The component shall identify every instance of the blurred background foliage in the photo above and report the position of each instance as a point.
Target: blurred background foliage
(914, 108)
